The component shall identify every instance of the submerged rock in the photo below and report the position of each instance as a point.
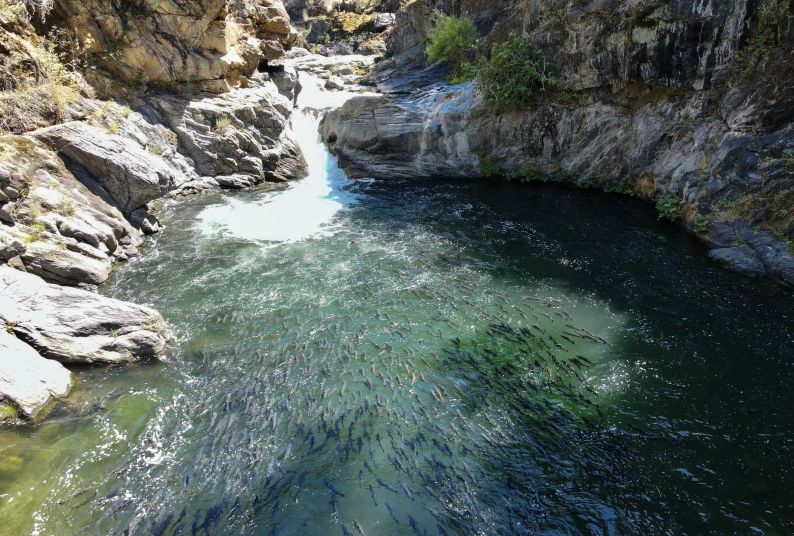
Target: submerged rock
(76, 326)
(28, 381)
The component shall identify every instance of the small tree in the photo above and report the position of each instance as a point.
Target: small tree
(514, 74)
(451, 41)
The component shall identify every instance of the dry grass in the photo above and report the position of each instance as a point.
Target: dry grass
(37, 84)
(31, 108)
(12, 12)
(16, 11)
(222, 123)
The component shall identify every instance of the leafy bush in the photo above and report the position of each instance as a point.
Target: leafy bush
(36, 231)
(487, 166)
(514, 74)
(669, 208)
(622, 186)
(528, 174)
(702, 224)
(451, 40)
(155, 148)
(7, 412)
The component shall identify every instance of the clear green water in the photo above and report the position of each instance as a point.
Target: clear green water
(447, 358)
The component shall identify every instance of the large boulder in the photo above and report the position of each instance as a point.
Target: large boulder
(28, 381)
(71, 325)
(438, 132)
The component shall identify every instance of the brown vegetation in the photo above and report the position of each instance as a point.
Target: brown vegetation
(37, 82)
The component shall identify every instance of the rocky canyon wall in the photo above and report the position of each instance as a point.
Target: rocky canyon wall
(215, 44)
(192, 103)
(688, 103)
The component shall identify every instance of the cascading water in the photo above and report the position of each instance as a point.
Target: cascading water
(423, 358)
(307, 206)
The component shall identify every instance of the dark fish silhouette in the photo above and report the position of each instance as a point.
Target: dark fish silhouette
(391, 513)
(386, 486)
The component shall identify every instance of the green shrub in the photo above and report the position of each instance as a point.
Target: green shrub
(702, 224)
(463, 73)
(528, 174)
(487, 166)
(155, 148)
(36, 230)
(514, 74)
(770, 17)
(669, 208)
(622, 186)
(114, 50)
(789, 163)
(452, 39)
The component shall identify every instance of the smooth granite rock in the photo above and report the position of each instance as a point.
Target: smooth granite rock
(242, 132)
(28, 381)
(76, 326)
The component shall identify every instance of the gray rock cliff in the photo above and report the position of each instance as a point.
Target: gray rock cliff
(664, 99)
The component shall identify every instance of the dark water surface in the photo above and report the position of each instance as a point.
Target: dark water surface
(447, 358)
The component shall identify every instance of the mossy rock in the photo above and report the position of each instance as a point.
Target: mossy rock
(8, 412)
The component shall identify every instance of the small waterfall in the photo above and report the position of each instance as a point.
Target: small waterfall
(307, 207)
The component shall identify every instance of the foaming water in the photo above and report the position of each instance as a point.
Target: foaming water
(432, 358)
(306, 207)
